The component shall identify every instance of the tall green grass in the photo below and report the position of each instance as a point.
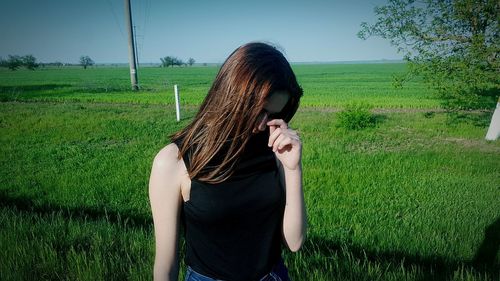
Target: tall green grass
(61, 245)
(414, 198)
(324, 85)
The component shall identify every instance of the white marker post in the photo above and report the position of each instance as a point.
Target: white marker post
(494, 129)
(177, 105)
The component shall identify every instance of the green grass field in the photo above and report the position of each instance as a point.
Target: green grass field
(413, 198)
(324, 85)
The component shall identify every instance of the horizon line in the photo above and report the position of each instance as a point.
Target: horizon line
(219, 63)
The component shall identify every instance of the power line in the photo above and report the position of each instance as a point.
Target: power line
(116, 18)
(140, 32)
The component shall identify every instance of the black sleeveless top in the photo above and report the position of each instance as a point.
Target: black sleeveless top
(233, 229)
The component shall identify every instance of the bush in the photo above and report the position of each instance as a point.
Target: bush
(356, 117)
(29, 61)
(14, 62)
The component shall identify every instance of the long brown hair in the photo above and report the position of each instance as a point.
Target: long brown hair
(230, 111)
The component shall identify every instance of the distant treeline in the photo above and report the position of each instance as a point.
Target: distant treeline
(14, 62)
(173, 61)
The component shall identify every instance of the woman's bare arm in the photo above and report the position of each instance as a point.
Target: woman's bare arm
(294, 219)
(287, 147)
(165, 198)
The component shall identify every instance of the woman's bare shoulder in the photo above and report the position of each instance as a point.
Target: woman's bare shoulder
(165, 170)
(167, 157)
(169, 171)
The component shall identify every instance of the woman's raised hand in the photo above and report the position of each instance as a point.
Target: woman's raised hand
(285, 143)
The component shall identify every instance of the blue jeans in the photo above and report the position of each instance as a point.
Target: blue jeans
(278, 273)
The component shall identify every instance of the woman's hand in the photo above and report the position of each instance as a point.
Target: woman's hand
(285, 143)
(288, 149)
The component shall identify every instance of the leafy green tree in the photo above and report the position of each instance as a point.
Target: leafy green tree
(14, 62)
(178, 62)
(29, 61)
(167, 61)
(453, 44)
(171, 61)
(86, 61)
(191, 61)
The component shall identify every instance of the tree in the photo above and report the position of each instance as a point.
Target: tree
(452, 44)
(171, 61)
(167, 61)
(178, 62)
(14, 62)
(86, 61)
(29, 61)
(191, 61)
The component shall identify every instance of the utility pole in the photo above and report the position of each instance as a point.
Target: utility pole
(131, 47)
(136, 49)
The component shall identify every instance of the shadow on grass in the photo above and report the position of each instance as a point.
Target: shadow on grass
(127, 218)
(16, 93)
(488, 251)
(379, 118)
(31, 88)
(431, 267)
(477, 118)
(100, 90)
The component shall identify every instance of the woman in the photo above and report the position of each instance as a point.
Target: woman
(232, 178)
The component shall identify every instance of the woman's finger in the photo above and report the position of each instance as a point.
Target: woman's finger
(271, 129)
(286, 144)
(278, 122)
(277, 144)
(274, 135)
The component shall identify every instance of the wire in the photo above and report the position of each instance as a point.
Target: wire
(140, 38)
(116, 18)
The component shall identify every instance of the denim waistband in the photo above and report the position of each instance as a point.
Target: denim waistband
(278, 273)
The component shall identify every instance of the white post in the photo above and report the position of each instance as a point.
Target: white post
(494, 129)
(177, 105)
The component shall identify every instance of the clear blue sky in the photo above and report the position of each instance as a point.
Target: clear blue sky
(208, 31)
